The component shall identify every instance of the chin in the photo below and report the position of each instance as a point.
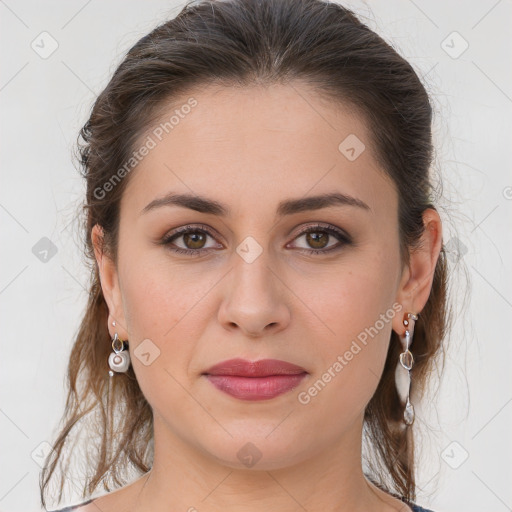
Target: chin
(254, 449)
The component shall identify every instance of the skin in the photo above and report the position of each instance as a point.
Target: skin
(250, 149)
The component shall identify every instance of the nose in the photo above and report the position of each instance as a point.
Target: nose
(254, 299)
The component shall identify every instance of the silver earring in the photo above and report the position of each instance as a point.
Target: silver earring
(119, 359)
(403, 368)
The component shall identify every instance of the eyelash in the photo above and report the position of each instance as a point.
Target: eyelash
(329, 229)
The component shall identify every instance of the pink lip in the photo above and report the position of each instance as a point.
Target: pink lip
(258, 380)
(261, 368)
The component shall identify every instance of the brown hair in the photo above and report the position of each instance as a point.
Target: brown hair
(239, 43)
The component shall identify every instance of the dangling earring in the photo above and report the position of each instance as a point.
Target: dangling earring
(402, 373)
(119, 359)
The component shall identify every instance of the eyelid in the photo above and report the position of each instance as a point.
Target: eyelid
(192, 227)
(323, 225)
(343, 237)
(166, 239)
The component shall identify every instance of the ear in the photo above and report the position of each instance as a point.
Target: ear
(109, 285)
(417, 277)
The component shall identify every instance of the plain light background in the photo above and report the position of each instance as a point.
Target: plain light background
(465, 441)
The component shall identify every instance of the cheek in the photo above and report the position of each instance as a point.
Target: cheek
(356, 298)
(165, 306)
(159, 299)
(162, 335)
(356, 309)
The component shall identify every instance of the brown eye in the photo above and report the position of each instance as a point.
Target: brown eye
(193, 241)
(318, 238)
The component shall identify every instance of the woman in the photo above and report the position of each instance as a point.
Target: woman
(266, 249)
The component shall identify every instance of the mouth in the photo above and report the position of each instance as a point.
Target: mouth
(258, 380)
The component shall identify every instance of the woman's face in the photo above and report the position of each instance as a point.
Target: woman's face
(254, 288)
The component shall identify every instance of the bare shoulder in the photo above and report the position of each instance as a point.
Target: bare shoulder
(112, 501)
(106, 503)
(115, 501)
(97, 505)
(88, 506)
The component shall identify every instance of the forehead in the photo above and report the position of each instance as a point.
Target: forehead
(244, 145)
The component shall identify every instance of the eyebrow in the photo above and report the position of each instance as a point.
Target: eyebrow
(288, 207)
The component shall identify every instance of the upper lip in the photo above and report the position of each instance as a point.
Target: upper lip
(261, 368)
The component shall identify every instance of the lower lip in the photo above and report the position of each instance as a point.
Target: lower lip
(256, 388)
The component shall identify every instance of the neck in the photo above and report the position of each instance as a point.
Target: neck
(186, 478)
